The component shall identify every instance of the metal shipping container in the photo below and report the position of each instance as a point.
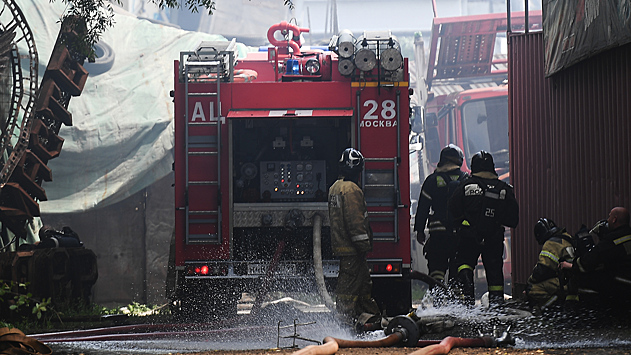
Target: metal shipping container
(570, 146)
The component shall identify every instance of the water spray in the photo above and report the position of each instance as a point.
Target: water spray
(404, 331)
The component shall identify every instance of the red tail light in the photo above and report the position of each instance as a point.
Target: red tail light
(206, 270)
(385, 267)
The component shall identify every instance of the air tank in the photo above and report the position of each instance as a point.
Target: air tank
(391, 57)
(345, 44)
(346, 66)
(378, 46)
(365, 55)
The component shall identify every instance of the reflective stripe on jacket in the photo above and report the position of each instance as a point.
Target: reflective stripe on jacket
(545, 275)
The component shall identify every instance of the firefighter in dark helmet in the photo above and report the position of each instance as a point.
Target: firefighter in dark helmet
(482, 205)
(606, 267)
(351, 239)
(548, 285)
(432, 209)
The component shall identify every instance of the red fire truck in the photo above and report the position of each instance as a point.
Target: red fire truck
(257, 144)
(467, 97)
(467, 88)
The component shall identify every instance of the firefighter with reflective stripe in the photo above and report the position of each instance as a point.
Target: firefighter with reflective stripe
(432, 209)
(351, 239)
(606, 268)
(482, 205)
(548, 285)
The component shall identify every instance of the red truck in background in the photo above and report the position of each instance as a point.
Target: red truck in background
(464, 99)
(257, 145)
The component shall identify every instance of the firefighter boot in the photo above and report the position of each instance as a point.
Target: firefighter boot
(439, 293)
(465, 278)
(496, 297)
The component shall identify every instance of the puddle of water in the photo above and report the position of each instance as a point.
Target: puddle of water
(558, 329)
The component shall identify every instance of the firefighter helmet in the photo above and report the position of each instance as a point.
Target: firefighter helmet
(351, 162)
(544, 229)
(482, 161)
(451, 154)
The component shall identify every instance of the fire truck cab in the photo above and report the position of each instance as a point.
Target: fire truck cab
(257, 145)
(475, 120)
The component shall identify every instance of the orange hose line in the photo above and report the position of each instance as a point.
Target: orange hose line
(331, 345)
(450, 342)
(390, 340)
(328, 348)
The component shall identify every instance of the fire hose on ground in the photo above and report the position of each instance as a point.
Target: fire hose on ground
(404, 331)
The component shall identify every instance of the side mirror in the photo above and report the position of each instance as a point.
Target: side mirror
(416, 143)
(416, 121)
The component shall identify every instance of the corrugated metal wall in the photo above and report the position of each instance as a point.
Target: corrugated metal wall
(570, 142)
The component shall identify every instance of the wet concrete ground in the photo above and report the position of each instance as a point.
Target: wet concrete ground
(464, 351)
(246, 335)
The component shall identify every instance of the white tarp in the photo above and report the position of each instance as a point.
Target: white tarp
(229, 20)
(121, 140)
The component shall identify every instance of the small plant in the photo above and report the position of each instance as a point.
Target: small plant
(76, 308)
(137, 309)
(15, 303)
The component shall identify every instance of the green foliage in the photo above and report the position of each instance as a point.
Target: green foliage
(18, 309)
(195, 5)
(289, 3)
(40, 307)
(137, 309)
(191, 5)
(76, 309)
(12, 298)
(96, 15)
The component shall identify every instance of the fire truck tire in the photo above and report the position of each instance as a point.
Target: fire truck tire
(394, 296)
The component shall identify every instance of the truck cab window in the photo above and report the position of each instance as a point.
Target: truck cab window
(485, 123)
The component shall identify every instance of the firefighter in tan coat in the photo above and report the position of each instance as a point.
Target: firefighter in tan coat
(548, 285)
(351, 239)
